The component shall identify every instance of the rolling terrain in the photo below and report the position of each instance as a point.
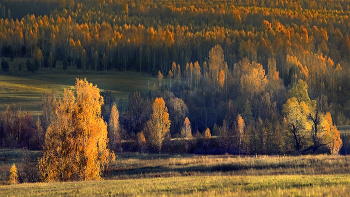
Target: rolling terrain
(26, 90)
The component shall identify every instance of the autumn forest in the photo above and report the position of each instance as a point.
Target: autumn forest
(234, 77)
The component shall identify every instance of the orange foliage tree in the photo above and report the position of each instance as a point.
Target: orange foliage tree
(331, 135)
(186, 129)
(76, 140)
(141, 140)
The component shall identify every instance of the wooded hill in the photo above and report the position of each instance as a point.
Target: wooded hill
(215, 61)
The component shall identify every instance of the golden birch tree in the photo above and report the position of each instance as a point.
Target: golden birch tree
(76, 140)
(159, 124)
(296, 111)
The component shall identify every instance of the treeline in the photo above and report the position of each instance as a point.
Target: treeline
(245, 110)
(217, 111)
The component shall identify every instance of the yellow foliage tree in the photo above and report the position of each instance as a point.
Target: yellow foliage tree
(186, 129)
(253, 79)
(207, 134)
(113, 128)
(216, 63)
(296, 111)
(13, 179)
(159, 124)
(76, 140)
(241, 125)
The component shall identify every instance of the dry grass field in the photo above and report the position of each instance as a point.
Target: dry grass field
(150, 166)
(135, 174)
(279, 185)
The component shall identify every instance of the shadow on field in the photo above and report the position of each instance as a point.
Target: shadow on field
(139, 156)
(182, 170)
(165, 165)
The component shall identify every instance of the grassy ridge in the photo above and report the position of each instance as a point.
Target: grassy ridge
(285, 185)
(26, 90)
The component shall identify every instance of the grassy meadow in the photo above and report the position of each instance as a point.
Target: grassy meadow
(26, 88)
(284, 185)
(135, 174)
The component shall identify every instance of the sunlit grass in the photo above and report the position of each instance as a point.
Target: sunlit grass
(136, 166)
(135, 174)
(284, 185)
